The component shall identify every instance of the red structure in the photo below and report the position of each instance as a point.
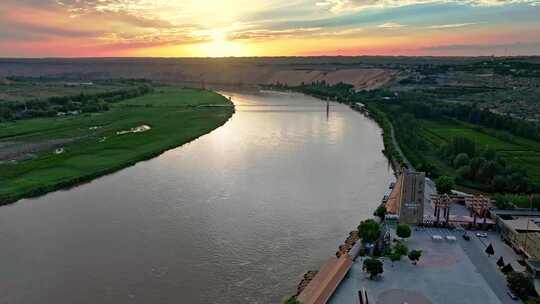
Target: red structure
(478, 206)
(442, 203)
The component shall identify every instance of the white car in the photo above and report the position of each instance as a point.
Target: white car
(482, 235)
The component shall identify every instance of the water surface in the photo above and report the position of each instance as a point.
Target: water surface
(236, 216)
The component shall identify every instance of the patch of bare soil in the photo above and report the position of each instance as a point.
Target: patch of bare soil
(10, 150)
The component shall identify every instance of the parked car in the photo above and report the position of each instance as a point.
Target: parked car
(481, 234)
(511, 295)
(466, 237)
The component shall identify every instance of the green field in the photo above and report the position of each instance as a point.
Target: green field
(95, 149)
(519, 152)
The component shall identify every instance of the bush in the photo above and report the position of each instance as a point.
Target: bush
(292, 300)
(462, 159)
(415, 255)
(401, 249)
(373, 267)
(444, 184)
(403, 231)
(380, 212)
(521, 285)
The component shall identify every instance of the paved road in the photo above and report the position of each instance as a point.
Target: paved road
(487, 268)
(398, 148)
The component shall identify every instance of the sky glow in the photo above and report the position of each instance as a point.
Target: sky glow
(211, 28)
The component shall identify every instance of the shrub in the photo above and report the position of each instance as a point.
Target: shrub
(401, 249)
(444, 184)
(415, 255)
(521, 285)
(403, 231)
(380, 212)
(373, 267)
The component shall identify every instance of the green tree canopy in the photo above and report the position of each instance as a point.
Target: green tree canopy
(292, 300)
(401, 249)
(533, 301)
(373, 267)
(414, 256)
(462, 159)
(380, 212)
(403, 231)
(444, 184)
(394, 256)
(521, 285)
(369, 231)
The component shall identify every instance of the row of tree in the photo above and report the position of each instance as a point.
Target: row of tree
(84, 103)
(484, 166)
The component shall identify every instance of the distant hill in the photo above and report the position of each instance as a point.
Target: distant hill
(363, 73)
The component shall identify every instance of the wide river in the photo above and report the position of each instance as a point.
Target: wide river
(236, 216)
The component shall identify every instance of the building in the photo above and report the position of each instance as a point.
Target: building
(406, 201)
(521, 230)
(411, 209)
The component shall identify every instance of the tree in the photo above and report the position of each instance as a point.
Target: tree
(533, 301)
(369, 231)
(292, 300)
(444, 184)
(464, 172)
(414, 256)
(521, 285)
(380, 212)
(489, 250)
(507, 269)
(394, 257)
(500, 262)
(462, 159)
(373, 267)
(403, 231)
(401, 249)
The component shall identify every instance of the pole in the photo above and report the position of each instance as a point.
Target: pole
(528, 220)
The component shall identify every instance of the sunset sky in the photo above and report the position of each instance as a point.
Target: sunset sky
(210, 28)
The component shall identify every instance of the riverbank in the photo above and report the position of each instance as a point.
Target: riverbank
(91, 145)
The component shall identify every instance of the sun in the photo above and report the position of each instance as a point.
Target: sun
(220, 46)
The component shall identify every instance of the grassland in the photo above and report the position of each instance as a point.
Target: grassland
(519, 152)
(175, 116)
(41, 89)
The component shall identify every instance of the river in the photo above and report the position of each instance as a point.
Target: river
(236, 216)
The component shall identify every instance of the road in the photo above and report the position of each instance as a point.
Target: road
(487, 268)
(398, 148)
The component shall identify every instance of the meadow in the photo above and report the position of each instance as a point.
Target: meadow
(175, 116)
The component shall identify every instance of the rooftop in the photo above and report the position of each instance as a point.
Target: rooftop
(522, 224)
(393, 203)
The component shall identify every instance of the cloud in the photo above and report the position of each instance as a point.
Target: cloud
(391, 25)
(272, 34)
(452, 25)
(347, 6)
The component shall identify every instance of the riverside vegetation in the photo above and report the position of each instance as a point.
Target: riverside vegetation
(56, 152)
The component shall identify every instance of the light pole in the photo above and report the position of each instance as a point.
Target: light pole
(528, 220)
